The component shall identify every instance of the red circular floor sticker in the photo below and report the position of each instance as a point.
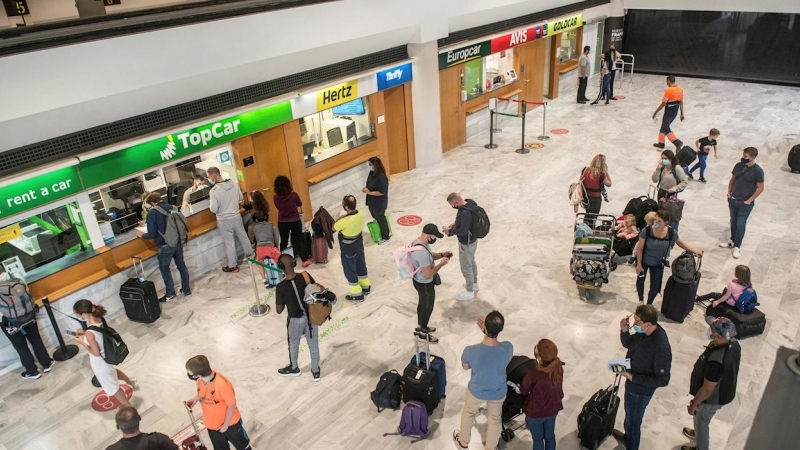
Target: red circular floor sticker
(102, 402)
(534, 146)
(619, 97)
(409, 221)
(559, 131)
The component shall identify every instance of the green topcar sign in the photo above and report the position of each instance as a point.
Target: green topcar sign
(38, 191)
(100, 170)
(461, 55)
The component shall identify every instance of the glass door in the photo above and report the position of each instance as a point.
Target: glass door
(598, 47)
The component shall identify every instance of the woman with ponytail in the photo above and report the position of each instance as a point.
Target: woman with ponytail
(543, 386)
(92, 341)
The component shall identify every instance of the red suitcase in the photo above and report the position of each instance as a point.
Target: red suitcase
(320, 250)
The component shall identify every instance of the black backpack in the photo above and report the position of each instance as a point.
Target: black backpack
(480, 223)
(685, 268)
(389, 391)
(794, 159)
(114, 347)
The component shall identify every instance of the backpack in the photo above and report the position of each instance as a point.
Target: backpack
(389, 391)
(403, 263)
(176, 234)
(413, 421)
(748, 301)
(794, 159)
(684, 268)
(575, 193)
(480, 224)
(114, 348)
(318, 304)
(16, 305)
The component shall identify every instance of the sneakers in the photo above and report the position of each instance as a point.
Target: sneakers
(737, 252)
(475, 287)
(659, 145)
(465, 296)
(168, 298)
(429, 329)
(726, 244)
(702, 180)
(49, 366)
(457, 441)
(133, 384)
(641, 302)
(308, 262)
(267, 285)
(593, 103)
(688, 432)
(383, 241)
(354, 298)
(427, 336)
(186, 294)
(691, 177)
(317, 375)
(618, 435)
(35, 375)
(289, 372)
(234, 269)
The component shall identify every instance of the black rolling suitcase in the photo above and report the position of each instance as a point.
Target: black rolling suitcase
(420, 383)
(747, 324)
(596, 419)
(678, 300)
(794, 159)
(140, 298)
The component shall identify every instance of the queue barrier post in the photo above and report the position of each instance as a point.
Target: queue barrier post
(544, 136)
(259, 309)
(522, 150)
(64, 351)
(492, 129)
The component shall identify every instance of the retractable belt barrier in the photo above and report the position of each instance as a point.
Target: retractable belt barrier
(524, 103)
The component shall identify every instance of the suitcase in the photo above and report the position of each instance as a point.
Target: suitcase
(794, 159)
(437, 365)
(686, 155)
(747, 325)
(596, 419)
(592, 252)
(678, 299)
(375, 230)
(139, 296)
(420, 383)
(319, 250)
(275, 275)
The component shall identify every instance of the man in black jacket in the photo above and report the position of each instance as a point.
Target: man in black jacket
(651, 361)
(127, 419)
(467, 244)
(713, 382)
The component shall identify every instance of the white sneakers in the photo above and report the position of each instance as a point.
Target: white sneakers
(465, 296)
(736, 252)
(475, 287)
(726, 244)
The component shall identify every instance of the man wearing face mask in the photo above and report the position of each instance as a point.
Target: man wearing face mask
(351, 228)
(651, 362)
(713, 381)
(218, 401)
(426, 277)
(746, 184)
(127, 419)
(467, 244)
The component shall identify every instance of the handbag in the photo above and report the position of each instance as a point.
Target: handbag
(673, 205)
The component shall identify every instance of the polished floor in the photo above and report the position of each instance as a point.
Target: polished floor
(523, 266)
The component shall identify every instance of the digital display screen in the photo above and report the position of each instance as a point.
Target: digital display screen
(354, 108)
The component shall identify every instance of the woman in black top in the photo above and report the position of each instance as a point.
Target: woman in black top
(377, 191)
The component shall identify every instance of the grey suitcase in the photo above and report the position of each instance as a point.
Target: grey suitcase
(592, 252)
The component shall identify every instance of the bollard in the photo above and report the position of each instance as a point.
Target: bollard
(522, 150)
(544, 136)
(259, 309)
(64, 352)
(491, 143)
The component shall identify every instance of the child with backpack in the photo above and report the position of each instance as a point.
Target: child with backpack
(94, 340)
(265, 242)
(733, 296)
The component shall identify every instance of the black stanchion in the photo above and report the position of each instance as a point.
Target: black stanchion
(522, 150)
(64, 352)
(491, 143)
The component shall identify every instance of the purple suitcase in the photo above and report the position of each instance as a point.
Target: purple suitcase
(679, 298)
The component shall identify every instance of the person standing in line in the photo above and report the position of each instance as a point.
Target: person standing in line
(595, 179)
(467, 244)
(543, 387)
(605, 80)
(651, 364)
(671, 103)
(156, 229)
(612, 56)
(21, 334)
(289, 223)
(351, 241)
(127, 420)
(265, 242)
(655, 243)
(426, 277)
(713, 380)
(704, 146)
(487, 383)
(670, 178)
(583, 74)
(217, 398)
(377, 190)
(289, 295)
(225, 199)
(92, 340)
(746, 184)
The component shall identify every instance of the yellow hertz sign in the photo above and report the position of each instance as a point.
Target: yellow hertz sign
(567, 23)
(336, 95)
(9, 233)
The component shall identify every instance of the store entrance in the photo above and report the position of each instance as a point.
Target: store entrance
(396, 129)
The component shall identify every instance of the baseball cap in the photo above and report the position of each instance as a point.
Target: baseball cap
(433, 230)
(722, 326)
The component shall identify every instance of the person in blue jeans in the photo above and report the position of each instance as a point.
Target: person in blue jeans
(651, 363)
(543, 386)
(704, 146)
(156, 227)
(605, 81)
(746, 184)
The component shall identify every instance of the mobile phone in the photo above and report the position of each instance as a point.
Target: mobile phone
(70, 333)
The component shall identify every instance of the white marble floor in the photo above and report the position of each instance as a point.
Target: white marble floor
(524, 274)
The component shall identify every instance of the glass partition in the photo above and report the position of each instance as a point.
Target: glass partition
(333, 131)
(569, 44)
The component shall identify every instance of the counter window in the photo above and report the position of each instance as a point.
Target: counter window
(46, 238)
(334, 131)
(499, 70)
(569, 45)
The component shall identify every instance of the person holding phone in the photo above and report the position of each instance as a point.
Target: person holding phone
(426, 277)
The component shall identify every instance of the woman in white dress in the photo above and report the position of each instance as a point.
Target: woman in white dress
(92, 340)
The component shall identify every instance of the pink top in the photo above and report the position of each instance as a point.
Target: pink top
(736, 289)
(626, 232)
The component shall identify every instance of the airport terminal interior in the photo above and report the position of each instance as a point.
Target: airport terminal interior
(69, 219)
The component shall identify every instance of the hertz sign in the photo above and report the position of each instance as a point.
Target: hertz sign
(561, 25)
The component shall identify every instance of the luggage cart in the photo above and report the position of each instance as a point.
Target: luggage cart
(596, 248)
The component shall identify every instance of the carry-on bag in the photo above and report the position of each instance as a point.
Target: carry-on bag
(596, 419)
(747, 325)
(274, 275)
(686, 155)
(794, 159)
(413, 422)
(375, 230)
(139, 296)
(319, 250)
(591, 252)
(437, 365)
(420, 383)
(678, 299)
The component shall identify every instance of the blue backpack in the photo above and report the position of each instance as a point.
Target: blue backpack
(413, 421)
(747, 302)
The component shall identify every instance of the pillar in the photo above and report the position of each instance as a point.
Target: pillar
(425, 96)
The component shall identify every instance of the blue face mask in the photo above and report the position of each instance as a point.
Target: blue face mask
(638, 329)
(665, 162)
(656, 225)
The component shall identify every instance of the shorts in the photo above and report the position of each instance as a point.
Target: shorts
(267, 251)
(235, 435)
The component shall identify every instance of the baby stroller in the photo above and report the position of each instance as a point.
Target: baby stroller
(622, 247)
(591, 251)
(512, 405)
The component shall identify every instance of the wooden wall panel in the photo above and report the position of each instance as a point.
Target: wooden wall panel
(397, 138)
(293, 154)
(532, 56)
(412, 151)
(377, 107)
(454, 113)
(270, 161)
(243, 148)
(555, 67)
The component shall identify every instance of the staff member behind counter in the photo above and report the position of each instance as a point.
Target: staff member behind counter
(199, 184)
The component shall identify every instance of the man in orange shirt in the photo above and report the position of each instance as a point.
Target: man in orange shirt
(218, 401)
(671, 102)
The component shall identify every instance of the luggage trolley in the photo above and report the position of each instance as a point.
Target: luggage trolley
(591, 254)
